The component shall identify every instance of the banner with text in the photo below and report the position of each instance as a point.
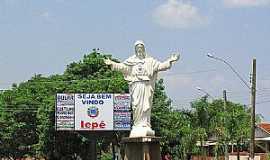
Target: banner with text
(64, 112)
(87, 111)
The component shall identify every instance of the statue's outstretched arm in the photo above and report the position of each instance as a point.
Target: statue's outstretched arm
(168, 63)
(116, 66)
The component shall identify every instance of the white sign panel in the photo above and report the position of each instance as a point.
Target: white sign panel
(94, 112)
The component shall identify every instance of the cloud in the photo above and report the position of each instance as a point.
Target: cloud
(176, 14)
(45, 15)
(217, 80)
(245, 3)
(177, 81)
(60, 1)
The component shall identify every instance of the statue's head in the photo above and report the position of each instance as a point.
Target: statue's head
(140, 49)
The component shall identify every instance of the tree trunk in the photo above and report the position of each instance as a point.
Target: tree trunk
(226, 151)
(113, 150)
(238, 153)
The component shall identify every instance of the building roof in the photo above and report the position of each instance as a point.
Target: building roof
(265, 127)
(263, 139)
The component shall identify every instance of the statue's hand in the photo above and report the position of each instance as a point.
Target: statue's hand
(108, 61)
(174, 57)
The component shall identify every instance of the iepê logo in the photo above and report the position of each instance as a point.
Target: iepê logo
(93, 125)
(92, 112)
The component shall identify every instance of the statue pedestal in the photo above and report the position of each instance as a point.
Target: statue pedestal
(141, 132)
(142, 148)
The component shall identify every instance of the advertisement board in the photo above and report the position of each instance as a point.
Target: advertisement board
(64, 111)
(93, 111)
(122, 113)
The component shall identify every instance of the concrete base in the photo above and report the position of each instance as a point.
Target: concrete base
(142, 148)
(138, 131)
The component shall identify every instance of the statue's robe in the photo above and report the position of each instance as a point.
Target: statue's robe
(141, 75)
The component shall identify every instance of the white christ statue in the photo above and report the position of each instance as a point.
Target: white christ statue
(140, 70)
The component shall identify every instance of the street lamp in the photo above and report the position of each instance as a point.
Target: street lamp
(202, 90)
(228, 64)
(252, 89)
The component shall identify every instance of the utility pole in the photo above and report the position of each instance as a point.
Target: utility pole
(253, 101)
(225, 99)
(224, 123)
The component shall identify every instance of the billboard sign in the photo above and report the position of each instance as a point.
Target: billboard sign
(93, 111)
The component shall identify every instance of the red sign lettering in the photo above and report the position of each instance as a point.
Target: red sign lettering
(93, 125)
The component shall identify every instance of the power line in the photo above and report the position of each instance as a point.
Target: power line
(109, 79)
(189, 73)
(261, 102)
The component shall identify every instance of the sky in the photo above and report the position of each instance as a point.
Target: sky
(42, 37)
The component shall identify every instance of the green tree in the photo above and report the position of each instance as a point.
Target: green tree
(227, 125)
(173, 126)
